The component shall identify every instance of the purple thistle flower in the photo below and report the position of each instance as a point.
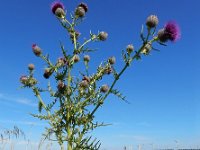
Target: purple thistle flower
(172, 31)
(55, 5)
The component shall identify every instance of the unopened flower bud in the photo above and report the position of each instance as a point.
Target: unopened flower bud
(103, 36)
(47, 73)
(129, 48)
(36, 50)
(112, 60)
(61, 62)
(31, 67)
(104, 88)
(61, 86)
(152, 21)
(84, 6)
(23, 79)
(60, 13)
(76, 58)
(80, 12)
(86, 78)
(84, 83)
(86, 58)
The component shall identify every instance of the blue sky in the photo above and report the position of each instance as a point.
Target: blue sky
(162, 88)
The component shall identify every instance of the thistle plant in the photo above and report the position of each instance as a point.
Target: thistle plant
(74, 101)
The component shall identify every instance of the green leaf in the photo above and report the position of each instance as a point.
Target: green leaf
(40, 106)
(119, 95)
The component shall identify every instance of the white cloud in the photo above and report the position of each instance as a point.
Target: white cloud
(23, 122)
(10, 99)
(25, 102)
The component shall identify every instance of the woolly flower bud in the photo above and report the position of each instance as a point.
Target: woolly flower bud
(47, 73)
(36, 50)
(152, 21)
(60, 13)
(162, 36)
(76, 58)
(84, 83)
(23, 79)
(84, 6)
(129, 48)
(104, 88)
(55, 5)
(86, 78)
(103, 36)
(31, 67)
(86, 58)
(112, 60)
(80, 12)
(61, 62)
(60, 86)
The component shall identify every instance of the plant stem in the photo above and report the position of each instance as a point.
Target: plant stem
(122, 71)
(62, 147)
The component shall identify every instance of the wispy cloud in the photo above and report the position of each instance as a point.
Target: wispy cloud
(31, 123)
(23, 101)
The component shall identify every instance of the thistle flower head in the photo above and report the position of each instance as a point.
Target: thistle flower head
(129, 48)
(60, 13)
(103, 36)
(36, 50)
(31, 67)
(84, 84)
(172, 30)
(76, 58)
(152, 21)
(104, 88)
(61, 61)
(86, 58)
(80, 12)
(112, 60)
(81, 9)
(47, 73)
(61, 86)
(55, 5)
(23, 79)
(84, 6)
(162, 36)
(86, 78)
